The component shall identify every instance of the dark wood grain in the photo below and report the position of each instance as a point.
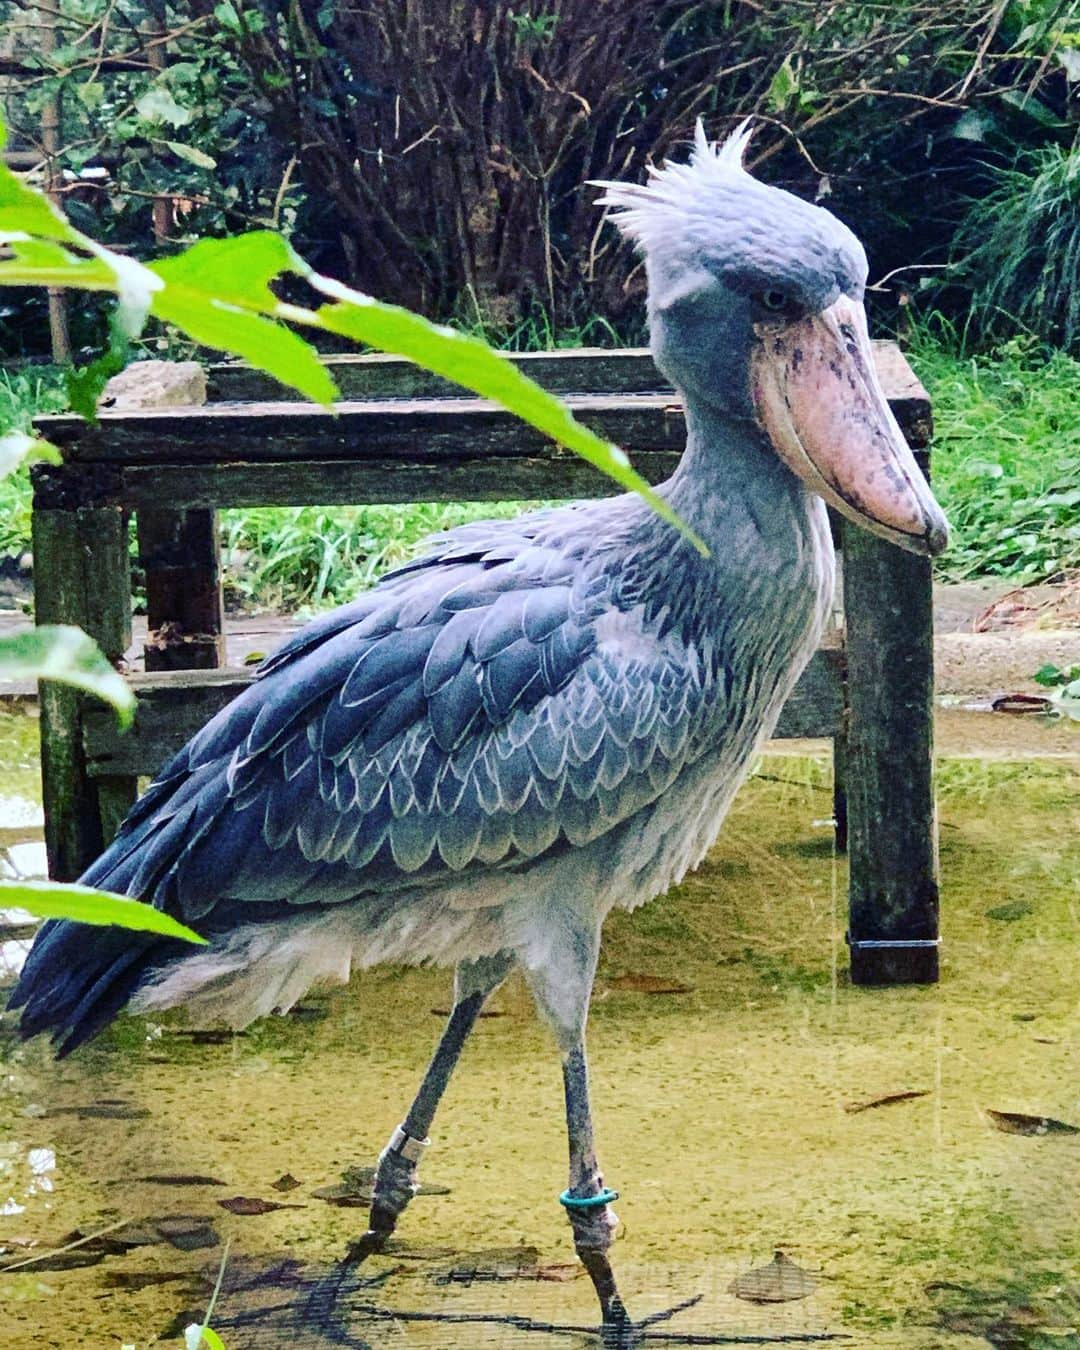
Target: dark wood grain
(180, 554)
(81, 578)
(892, 834)
(581, 370)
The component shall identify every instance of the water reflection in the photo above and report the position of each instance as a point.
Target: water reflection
(748, 1101)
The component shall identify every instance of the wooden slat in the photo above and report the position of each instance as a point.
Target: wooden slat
(418, 430)
(567, 372)
(377, 376)
(546, 476)
(174, 705)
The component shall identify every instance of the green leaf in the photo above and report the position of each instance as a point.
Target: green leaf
(84, 385)
(1049, 676)
(218, 291)
(17, 446)
(90, 94)
(237, 270)
(782, 86)
(23, 210)
(158, 105)
(193, 156)
(261, 341)
(83, 904)
(196, 1336)
(471, 363)
(68, 656)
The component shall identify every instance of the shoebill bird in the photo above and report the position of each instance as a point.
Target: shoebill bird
(540, 719)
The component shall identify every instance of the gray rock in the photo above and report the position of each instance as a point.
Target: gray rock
(156, 384)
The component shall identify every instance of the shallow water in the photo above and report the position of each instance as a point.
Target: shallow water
(720, 1110)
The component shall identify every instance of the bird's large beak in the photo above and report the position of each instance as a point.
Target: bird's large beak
(817, 396)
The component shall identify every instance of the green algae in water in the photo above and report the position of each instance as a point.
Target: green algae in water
(925, 1225)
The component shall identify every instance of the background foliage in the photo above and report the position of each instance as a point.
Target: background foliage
(433, 153)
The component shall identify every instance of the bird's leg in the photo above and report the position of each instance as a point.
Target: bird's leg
(587, 1200)
(395, 1177)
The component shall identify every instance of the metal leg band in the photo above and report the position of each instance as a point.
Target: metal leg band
(405, 1146)
(889, 944)
(605, 1197)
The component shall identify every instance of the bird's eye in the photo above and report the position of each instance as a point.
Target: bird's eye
(775, 301)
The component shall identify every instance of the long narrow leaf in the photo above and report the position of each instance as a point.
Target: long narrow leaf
(67, 655)
(83, 904)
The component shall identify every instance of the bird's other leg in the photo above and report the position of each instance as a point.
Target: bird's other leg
(395, 1177)
(562, 989)
(587, 1199)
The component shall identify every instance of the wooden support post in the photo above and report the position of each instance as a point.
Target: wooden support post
(893, 898)
(81, 577)
(839, 787)
(180, 553)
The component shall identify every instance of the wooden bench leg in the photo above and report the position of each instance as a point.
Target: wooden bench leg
(180, 553)
(839, 790)
(892, 841)
(81, 577)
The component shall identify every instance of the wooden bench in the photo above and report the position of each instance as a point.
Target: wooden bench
(401, 435)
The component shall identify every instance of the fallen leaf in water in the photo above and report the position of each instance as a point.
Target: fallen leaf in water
(853, 1108)
(106, 1108)
(484, 1012)
(181, 1179)
(781, 1281)
(1046, 1040)
(254, 658)
(648, 984)
(251, 1204)
(286, 1182)
(1017, 1122)
(1021, 703)
(1015, 909)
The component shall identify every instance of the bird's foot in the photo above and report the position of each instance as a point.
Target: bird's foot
(394, 1186)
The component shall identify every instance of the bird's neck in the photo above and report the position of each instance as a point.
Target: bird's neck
(731, 486)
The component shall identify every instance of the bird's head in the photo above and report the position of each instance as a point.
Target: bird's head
(756, 309)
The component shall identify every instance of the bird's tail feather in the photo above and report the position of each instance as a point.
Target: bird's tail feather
(77, 978)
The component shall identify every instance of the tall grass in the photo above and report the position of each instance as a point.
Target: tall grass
(23, 396)
(1006, 466)
(1018, 250)
(1006, 456)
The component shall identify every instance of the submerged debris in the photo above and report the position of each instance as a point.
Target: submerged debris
(251, 1204)
(1018, 1122)
(853, 1108)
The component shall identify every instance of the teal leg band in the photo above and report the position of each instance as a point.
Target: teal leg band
(605, 1197)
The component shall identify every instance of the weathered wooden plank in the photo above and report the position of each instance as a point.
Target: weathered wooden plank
(80, 577)
(180, 553)
(378, 376)
(566, 372)
(428, 430)
(892, 828)
(544, 477)
(174, 705)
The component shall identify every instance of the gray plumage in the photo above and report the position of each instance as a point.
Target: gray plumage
(537, 720)
(532, 723)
